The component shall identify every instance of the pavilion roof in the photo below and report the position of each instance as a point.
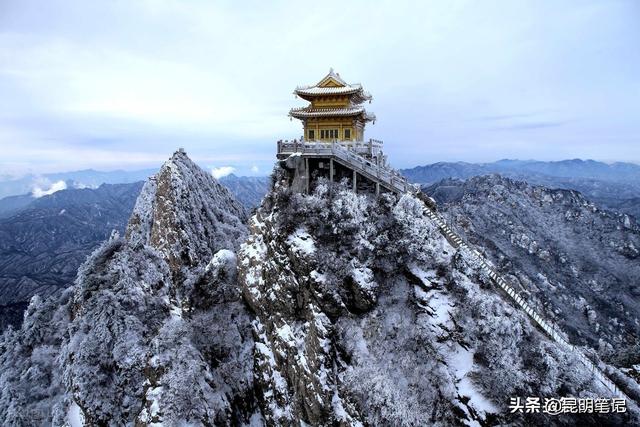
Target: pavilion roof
(333, 84)
(308, 112)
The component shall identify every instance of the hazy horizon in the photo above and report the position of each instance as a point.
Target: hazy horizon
(228, 170)
(121, 85)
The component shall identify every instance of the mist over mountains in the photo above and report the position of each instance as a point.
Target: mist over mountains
(31, 183)
(615, 186)
(42, 248)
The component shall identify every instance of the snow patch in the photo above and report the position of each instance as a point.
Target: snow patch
(285, 333)
(426, 277)
(222, 259)
(318, 277)
(301, 242)
(461, 361)
(75, 417)
(363, 276)
(440, 303)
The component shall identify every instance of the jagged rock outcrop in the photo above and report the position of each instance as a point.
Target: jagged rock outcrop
(333, 308)
(44, 240)
(578, 262)
(154, 329)
(366, 315)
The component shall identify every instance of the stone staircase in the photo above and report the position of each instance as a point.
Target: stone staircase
(350, 157)
(552, 330)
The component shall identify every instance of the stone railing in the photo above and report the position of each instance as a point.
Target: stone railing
(521, 301)
(349, 152)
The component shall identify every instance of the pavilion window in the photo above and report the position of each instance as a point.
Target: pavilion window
(312, 134)
(347, 134)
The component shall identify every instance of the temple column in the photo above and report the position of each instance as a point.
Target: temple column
(331, 170)
(355, 184)
(377, 189)
(307, 173)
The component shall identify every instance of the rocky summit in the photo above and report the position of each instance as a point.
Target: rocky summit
(328, 308)
(154, 329)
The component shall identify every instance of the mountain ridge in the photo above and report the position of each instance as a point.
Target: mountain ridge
(615, 186)
(194, 316)
(153, 329)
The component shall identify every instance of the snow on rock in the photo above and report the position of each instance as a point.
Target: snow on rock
(184, 214)
(363, 276)
(75, 418)
(301, 242)
(461, 361)
(154, 331)
(338, 309)
(558, 247)
(384, 322)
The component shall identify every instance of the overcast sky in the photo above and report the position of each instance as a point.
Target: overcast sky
(122, 84)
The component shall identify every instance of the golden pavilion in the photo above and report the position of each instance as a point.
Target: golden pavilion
(335, 112)
(333, 146)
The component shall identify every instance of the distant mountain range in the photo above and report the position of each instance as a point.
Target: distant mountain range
(44, 240)
(75, 179)
(12, 204)
(43, 243)
(552, 242)
(196, 315)
(330, 309)
(16, 194)
(615, 186)
(576, 168)
(248, 190)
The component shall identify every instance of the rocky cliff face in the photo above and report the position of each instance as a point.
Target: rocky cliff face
(153, 331)
(580, 263)
(332, 308)
(365, 315)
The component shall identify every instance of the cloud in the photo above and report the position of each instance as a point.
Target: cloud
(38, 192)
(115, 84)
(222, 171)
(255, 169)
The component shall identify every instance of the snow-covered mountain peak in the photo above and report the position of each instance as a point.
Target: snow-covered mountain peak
(366, 315)
(330, 308)
(186, 214)
(154, 331)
